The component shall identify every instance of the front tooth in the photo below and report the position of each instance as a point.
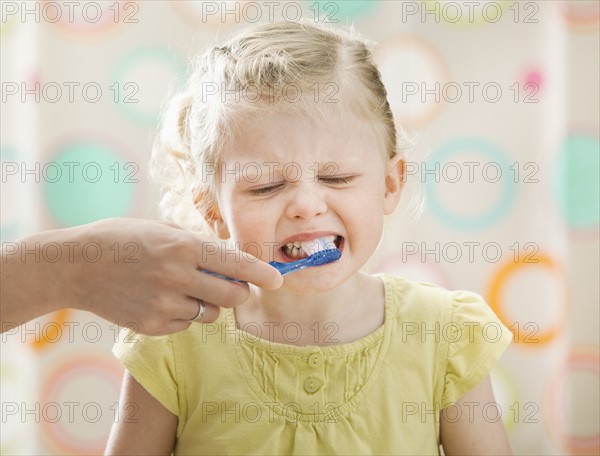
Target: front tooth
(329, 242)
(290, 245)
(297, 244)
(316, 245)
(310, 247)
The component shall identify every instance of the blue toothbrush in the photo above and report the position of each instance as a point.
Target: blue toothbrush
(316, 259)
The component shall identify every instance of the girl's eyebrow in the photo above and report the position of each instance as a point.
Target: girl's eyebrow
(253, 171)
(327, 168)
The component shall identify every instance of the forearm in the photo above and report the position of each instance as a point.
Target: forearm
(127, 271)
(32, 284)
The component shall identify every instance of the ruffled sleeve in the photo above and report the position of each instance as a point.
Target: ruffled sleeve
(476, 339)
(151, 361)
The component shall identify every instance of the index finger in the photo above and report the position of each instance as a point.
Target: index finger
(240, 266)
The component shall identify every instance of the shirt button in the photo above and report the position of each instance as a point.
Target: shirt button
(315, 360)
(312, 385)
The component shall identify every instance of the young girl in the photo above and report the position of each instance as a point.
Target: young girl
(284, 136)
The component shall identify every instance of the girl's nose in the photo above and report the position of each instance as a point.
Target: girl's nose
(306, 202)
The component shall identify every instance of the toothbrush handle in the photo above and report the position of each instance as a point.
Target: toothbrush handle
(283, 268)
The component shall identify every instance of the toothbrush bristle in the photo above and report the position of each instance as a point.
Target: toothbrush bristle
(325, 256)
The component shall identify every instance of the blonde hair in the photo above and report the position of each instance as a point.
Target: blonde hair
(251, 73)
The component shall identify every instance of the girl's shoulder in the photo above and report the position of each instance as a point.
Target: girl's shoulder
(454, 330)
(424, 301)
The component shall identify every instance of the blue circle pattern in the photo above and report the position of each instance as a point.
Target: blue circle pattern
(490, 151)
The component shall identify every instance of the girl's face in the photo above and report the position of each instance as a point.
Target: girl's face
(288, 178)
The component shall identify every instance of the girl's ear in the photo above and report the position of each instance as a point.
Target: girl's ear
(394, 182)
(208, 207)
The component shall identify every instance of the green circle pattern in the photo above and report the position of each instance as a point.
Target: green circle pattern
(138, 57)
(336, 11)
(80, 199)
(577, 182)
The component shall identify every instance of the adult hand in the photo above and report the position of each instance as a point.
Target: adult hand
(134, 272)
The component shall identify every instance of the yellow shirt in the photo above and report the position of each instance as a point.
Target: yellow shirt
(235, 393)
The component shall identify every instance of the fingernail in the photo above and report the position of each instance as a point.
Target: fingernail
(278, 281)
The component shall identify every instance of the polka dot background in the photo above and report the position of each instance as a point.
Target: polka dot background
(88, 180)
(577, 182)
(411, 63)
(444, 159)
(501, 98)
(88, 21)
(9, 217)
(151, 69)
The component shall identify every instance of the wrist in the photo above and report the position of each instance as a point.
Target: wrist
(53, 266)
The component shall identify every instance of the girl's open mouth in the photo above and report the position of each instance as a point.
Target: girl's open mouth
(297, 250)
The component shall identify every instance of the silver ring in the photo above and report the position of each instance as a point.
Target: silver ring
(201, 311)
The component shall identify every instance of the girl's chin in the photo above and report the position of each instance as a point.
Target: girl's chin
(310, 285)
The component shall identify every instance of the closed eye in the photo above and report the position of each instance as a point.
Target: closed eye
(265, 190)
(336, 180)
